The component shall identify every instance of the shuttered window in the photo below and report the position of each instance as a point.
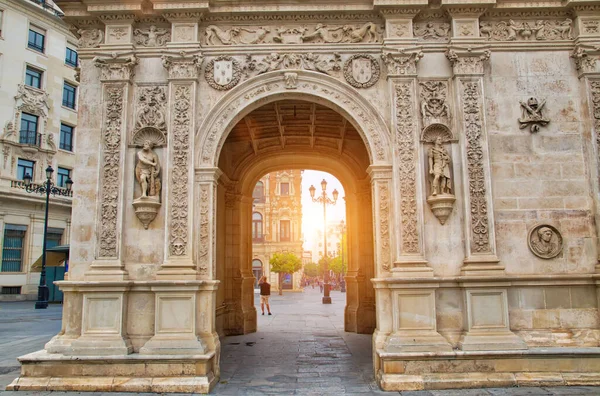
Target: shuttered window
(12, 249)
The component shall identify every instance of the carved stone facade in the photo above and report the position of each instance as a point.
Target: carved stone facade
(465, 231)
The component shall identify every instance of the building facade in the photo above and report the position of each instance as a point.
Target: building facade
(334, 242)
(38, 114)
(466, 139)
(277, 224)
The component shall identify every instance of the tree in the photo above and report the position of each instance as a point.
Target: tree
(284, 263)
(311, 269)
(324, 263)
(336, 266)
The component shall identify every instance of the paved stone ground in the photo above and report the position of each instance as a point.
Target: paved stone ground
(301, 349)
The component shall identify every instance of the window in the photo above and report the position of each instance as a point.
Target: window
(66, 137)
(12, 251)
(62, 175)
(29, 128)
(69, 92)
(284, 188)
(54, 237)
(284, 230)
(1, 20)
(33, 77)
(259, 192)
(24, 167)
(71, 57)
(11, 289)
(37, 38)
(257, 234)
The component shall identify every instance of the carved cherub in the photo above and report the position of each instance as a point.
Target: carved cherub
(153, 37)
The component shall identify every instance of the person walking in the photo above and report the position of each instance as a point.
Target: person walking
(265, 293)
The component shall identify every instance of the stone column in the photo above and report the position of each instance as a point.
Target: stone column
(408, 187)
(71, 321)
(381, 191)
(183, 75)
(116, 75)
(486, 321)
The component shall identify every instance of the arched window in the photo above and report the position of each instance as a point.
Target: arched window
(259, 192)
(257, 224)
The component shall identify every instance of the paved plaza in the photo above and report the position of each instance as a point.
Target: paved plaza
(301, 349)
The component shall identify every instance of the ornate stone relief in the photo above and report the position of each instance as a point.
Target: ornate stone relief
(182, 114)
(291, 80)
(384, 226)
(473, 125)
(585, 58)
(434, 104)
(90, 38)
(151, 37)
(116, 69)
(147, 174)
(441, 198)
(361, 71)
(223, 73)
(32, 100)
(328, 64)
(111, 165)
(432, 31)
(182, 68)
(545, 241)
(401, 63)
(151, 109)
(531, 115)
(204, 229)
(321, 33)
(543, 30)
(405, 141)
(591, 27)
(467, 63)
(595, 99)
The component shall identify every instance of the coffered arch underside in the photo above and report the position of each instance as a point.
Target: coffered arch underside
(311, 87)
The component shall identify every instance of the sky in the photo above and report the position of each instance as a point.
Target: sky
(312, 212)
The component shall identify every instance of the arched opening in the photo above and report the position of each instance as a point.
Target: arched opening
(282, 138)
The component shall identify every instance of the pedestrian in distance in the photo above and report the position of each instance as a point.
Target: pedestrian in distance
(265, 293)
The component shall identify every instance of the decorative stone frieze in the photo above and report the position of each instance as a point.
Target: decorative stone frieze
(468, 62)
(183, 68)
(151, 36)
(361, 71)
(541, 30)
(384, 227)
(90, 38)
(116, 69)
(328, 64)
(321, 33)
(223, 73)
(402, 63)
(432, 31)
(110, 191)
(205, 243)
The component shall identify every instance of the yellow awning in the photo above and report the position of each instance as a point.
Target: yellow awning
(53, 259)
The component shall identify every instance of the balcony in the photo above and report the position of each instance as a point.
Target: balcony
(48, 7)
(21, 184)
(30, 138)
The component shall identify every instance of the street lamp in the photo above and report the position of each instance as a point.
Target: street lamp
(325, 201)
(343, 231)
(47, 188)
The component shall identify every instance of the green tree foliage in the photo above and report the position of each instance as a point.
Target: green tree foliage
(285, 263)
(311, 269)
(324, 264)
(336, 266)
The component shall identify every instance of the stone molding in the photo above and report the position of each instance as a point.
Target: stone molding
(469, 62)
(586, 58)
(402, 63)
(184, 67)
(115, 69)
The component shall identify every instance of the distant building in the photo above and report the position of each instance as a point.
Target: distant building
(277, 224)
(334, 239)
(38, 114)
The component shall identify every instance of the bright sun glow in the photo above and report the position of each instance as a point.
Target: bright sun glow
(312, 212)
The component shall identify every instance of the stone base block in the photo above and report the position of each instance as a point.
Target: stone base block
(467, 369)
(491, 342)
(166, 346)
(101, 346)
(421, 341)
(41, 371)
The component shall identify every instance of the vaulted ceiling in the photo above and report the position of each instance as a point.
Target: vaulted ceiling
(289, 126)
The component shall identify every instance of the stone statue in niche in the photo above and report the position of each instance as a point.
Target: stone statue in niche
(439, 168)
(531, 115)
(545, 241)
(441, 198)
(147, 171)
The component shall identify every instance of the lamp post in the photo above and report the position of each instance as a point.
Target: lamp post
(47, 188)
(343, 230)
(325, 201)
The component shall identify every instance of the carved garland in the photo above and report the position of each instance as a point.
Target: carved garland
(204, 228)
(477, 190)
(236, 73)
(109, 195)
(179, 180)
(384, 229)
(405, 124)
(349, 66)
(595, 93)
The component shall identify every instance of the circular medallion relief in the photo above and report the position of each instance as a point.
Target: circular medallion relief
(545, 241)
(223, 73)
(361, 71)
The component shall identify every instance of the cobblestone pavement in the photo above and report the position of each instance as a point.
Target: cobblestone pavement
(301, 349)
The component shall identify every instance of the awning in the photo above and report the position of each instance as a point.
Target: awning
(54, 258)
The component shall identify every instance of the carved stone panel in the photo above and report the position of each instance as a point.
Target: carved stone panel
(434, 104)
(361, 71)
(223, 73)
(432, 31)
(545, 241)
(151, 108)
(151, 36)
(595, 102)
(90, 38)
(540, 30)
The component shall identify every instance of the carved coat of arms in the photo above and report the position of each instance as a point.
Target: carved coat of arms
(361, 71)
(223, 73)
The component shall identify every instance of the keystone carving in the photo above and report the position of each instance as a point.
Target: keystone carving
(543, 30)
(152, 37)
(531, 115)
